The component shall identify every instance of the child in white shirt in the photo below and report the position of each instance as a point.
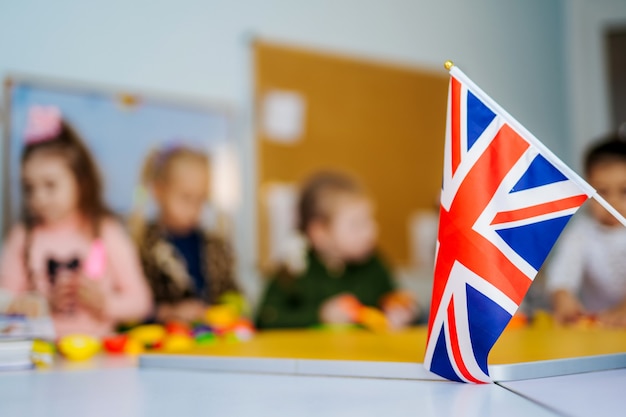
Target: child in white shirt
(587, 273)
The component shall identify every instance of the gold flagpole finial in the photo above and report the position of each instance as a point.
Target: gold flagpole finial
(448, 65)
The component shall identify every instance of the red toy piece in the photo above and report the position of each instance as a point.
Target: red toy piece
(115, 344)
(178, 327)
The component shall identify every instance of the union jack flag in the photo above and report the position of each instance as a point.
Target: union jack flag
(505, 200)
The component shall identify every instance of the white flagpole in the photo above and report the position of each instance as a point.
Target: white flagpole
(609, 208)
(521, 130)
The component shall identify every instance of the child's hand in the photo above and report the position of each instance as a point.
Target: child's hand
(190, 310)
(400, 307)
(339, 309)
(186, 311)
(29, 304)
(567, 308)
(614, 317)
(63, 293)
(89, 294)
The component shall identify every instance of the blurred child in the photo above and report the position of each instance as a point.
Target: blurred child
(69, 249)
(187, 267)
(587, 273)
(335, 216)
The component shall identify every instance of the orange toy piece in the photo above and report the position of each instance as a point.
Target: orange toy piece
(518, 321)
(402, 299)
(369, 317)
(587, 322)
(134, 347)
(351, 305)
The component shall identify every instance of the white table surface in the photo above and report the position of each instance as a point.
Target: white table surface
(589, 394)
(168, 393)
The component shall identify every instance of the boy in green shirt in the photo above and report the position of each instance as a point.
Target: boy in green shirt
(336, 217)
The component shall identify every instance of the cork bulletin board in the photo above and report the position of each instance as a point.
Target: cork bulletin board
(381, 122)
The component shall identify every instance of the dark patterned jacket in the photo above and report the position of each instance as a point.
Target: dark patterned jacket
(167, 274)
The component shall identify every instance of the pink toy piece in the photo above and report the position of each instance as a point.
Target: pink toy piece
(43, 123)
(96, 260)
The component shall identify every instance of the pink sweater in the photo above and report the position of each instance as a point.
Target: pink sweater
(127, 296)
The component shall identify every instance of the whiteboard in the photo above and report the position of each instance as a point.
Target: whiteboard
(120, 129)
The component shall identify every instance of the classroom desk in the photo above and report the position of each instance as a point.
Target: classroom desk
(530, 352)
(168, 393)
(114, 386)
(515, 345)
(586, 394)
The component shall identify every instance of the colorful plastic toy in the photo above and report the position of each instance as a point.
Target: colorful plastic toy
(236, 301)
(243, 330)
(178, 327)
(402, 299)
(115, 344)
(134, 347)
(148, 334)
(518, 321)
(177, 343)
(220, 316)
(373, 319)
(201, 329)
(78, 347)
(43, 353)
(588, 321)
(207, 338)
(368, 317)
(351, 305)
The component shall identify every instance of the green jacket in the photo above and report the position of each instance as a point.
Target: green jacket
(296, 301)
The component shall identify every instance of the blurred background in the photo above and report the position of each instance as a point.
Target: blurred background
(276, 89)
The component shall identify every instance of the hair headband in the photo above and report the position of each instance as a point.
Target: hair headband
(43, 123)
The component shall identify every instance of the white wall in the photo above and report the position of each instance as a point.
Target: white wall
(200, 48)
(588, 97)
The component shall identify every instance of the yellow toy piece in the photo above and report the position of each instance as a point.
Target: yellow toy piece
(235, 300)
(148, 334)
(43, 353)
(372, 319)
(43, 346)
(178, 343)
(79, 347)
(221, 316)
